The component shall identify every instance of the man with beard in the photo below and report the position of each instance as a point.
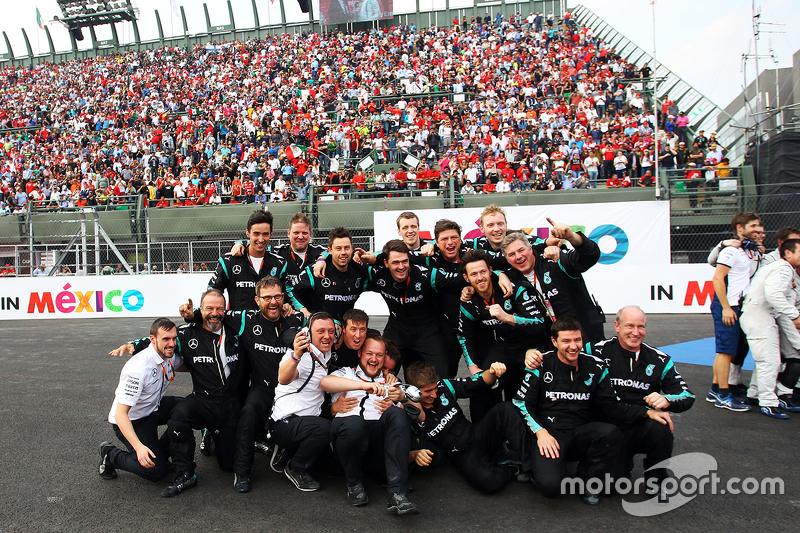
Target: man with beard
(211, 354)
(140, 406)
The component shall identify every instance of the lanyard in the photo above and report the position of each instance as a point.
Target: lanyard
(405, 291)
(548, 307)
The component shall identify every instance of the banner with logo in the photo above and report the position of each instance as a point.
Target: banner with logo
(628, 233)
(99, 296)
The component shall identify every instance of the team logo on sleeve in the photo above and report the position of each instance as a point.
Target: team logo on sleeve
(273, 271)
(237, 269)
(649, 370)
(507, 305)
(256, 330)
(547, 279)
(589, 381)
(325, 282)
(548, 377)
(192, 343)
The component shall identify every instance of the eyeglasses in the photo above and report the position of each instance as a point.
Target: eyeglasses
(276, 298)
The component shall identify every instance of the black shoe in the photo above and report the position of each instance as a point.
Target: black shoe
(241, 483)
(400, 504)
(301, 480)
(279, 459)
(738, 390)
(356, 495)
(590, 498)
(183, 481)
(207, 444)
(263, 447)
(107, 470)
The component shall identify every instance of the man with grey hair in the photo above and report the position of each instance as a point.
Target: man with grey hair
(642, 375)
(558, 285)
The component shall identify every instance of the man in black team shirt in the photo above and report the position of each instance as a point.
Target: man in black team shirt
(410, 291)
(558, 284)
(643, 375)
(472, 447)
(408, 230)
(264, 337)
(557, 400)
(239, 275)
(211, 353)
(339, 284)
(299, 253)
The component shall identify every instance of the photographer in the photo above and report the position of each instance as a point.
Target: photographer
(371, 430)
(296, 426)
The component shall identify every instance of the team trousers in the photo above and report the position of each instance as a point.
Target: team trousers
(305, 437)
(146, 430)
(252, 421)
(649, 437)
(218, 415)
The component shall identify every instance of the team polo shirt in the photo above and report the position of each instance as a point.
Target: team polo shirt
(142, 383)
(303, 396)
(366, 407)
(741, 263)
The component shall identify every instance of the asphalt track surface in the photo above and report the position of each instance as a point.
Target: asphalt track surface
(57, 385)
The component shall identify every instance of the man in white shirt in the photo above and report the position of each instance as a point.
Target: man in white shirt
(371, 434)
(140, 406)
(296, 425)
(735, 267)
(770, 305)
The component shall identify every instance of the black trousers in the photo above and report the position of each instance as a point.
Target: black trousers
(453, 348)
(508, 384)
(146, 430)
(648, 437)
(424, 343)
(479, 463)
(379, 445)
(218, 415)
(306, 437)
(252, 423)
(593, 445)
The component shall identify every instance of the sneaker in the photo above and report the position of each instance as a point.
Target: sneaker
(207, 444)
(183, 481)
(241, 483)
(263, 447)
(785, 402)
(301, 480)
(524, 477)
(400, 504)
(107, 470)
(738, 390)
(590, 498)
(356, 495)
(773, 412)
(732, 404)
(712, 396)
(279, 459)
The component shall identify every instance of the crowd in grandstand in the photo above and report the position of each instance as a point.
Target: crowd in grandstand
(263, 120)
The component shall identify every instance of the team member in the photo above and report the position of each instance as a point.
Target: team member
(515, 324)
(770, 302)
(408, 230)
(494, 226)
(299, 253)
(238, 275)
(296, 423)
(212, 355)
(371, 435)
(409, 291)
(557, 401)
(643, 375)
(339, 284)
(558, 284)
(355, 326)
(140, 406)
(473, 447)
(735, 267)
(264, 337)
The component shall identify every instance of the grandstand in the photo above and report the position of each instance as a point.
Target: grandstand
(117, 153)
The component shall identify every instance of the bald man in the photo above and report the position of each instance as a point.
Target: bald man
(643, 375)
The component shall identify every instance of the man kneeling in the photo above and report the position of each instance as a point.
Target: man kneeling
(370, 434)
